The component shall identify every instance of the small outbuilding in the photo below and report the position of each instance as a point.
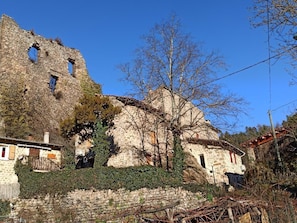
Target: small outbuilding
(43, 156)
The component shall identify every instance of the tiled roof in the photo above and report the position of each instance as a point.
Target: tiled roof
(221, 143)
(265, 138)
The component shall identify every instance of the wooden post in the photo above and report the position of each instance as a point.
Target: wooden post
(275, 140)
(230, 214)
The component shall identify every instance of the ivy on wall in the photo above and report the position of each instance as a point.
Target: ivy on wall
(14, 109)
(178, 159)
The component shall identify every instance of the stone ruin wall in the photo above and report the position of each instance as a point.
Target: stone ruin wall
(139, 135)
(101, 206)
(52, 61)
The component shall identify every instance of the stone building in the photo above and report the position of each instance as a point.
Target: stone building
(258, 148)
(44, 156)
(52, 76)
(141, 136)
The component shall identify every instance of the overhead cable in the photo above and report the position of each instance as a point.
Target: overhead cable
(248, 67)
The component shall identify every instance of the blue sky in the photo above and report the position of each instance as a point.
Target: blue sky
(106, 32)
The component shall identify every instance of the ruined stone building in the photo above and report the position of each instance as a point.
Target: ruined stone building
(142, 137)
(50, 75)
(51, 78)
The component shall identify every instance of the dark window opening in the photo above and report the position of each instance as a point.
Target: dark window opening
(3, 152)
(202, 160)
(71, 66)
(53, 83)
(33, 52)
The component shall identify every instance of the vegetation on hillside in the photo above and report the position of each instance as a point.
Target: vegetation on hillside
(250, 133)
(266, 171)
(14, 109)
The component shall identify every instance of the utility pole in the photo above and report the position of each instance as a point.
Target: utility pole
(279, 161)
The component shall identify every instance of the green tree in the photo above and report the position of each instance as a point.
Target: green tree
(101, 144)
(90, 109)
(291, 126)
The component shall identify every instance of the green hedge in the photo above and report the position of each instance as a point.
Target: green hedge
(100, 178)
(4, 209)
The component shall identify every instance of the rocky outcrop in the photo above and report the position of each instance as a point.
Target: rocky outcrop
(193, 172)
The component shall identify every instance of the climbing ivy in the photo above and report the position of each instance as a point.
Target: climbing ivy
(178, 158)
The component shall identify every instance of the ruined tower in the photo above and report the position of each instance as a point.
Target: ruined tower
(52, 76)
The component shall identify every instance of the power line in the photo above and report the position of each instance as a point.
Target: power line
(246, 68)
(284, 105)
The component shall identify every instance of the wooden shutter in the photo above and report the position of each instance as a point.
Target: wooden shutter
(11, 152)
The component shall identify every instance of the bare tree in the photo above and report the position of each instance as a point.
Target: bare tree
(279, 18)
(170, 58)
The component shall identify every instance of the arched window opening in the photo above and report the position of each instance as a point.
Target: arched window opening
(33, 53)
(71, 66)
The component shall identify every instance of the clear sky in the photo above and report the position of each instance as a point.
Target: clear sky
(107, 32)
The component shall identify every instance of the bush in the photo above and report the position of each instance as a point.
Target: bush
(100, 178)
(4, 208)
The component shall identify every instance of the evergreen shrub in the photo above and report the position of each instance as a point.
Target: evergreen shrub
(98, 178)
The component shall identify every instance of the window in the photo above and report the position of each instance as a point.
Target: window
(202, 160)
(33, 52)
(53, 83)
(232, 157)
(4, 150)
(71, 66)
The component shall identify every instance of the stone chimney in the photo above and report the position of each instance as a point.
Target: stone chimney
(46, 137)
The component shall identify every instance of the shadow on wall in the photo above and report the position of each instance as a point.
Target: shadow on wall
(114, 148)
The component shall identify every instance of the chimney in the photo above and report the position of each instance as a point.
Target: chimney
(46, 137)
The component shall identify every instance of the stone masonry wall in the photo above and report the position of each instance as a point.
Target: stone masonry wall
(137, 132)
(52, 59)
(217, 162)
(9, 186)
(101, 206)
